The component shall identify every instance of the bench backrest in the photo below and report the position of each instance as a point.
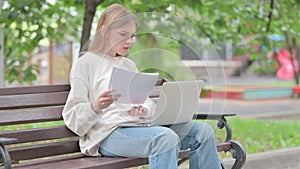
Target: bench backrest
(31, 106)
(38, 108)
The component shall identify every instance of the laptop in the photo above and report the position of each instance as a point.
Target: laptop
(177, 103)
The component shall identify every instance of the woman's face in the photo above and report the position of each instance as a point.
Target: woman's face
(120, 39)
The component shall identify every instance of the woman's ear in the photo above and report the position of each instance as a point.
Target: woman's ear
(102, 30)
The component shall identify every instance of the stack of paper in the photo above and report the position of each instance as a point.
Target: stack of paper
(134, 87)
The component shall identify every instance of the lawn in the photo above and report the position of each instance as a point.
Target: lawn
(262, 135)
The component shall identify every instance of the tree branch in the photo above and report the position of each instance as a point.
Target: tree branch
(270, 16)
(90, 10)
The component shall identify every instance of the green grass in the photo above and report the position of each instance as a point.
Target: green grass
(262, 135)
(30, 125)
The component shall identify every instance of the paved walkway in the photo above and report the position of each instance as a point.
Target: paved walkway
(284, 109)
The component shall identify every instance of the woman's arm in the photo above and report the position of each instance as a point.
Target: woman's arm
(78, 113)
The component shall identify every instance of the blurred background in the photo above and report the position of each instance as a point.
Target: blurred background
(246, 51)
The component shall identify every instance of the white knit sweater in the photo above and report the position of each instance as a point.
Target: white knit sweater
(89, 78)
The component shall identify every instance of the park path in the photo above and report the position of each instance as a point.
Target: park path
(283, 108)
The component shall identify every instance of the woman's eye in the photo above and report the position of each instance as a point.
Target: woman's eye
(123, 35)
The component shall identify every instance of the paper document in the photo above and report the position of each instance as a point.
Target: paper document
(134, 87)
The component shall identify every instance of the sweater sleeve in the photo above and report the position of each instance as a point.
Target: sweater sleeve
(78, 114)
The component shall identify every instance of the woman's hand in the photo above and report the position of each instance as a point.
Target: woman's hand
(104, 100)
(138, 111)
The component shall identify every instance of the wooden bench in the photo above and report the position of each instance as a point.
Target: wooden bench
(55, 146)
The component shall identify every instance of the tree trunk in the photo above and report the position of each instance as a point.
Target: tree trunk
(1, 51)
(291, 45)
(296, 57)
(90, 10)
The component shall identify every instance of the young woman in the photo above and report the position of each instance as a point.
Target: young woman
(92, 114)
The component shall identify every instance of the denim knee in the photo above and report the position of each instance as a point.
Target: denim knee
(204, 132)
(165, 141)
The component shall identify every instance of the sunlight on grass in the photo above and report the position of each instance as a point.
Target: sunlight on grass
(30, 125)
(262, 135)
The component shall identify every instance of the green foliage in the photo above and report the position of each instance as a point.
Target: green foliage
(139, 6)
(27, 24)
(235, 21)
(162, 57)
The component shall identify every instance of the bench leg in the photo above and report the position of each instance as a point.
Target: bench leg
(239, 153)
(5, 157)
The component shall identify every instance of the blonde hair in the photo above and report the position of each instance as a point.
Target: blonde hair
(112, 17)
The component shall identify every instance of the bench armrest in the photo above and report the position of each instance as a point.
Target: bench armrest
(4, 153)
(221, 124)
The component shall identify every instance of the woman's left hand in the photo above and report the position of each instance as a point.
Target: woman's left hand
(138, 111)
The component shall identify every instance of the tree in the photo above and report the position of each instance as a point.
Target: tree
(220, 21)
(26, 24)
(288, 13)
(235, 20)
(90, 10)
(92, 5)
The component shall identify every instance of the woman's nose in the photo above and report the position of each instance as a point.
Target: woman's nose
(130, 39)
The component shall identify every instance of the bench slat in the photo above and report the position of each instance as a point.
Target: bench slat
(49, 160)
(45, 88)
(38, 134)
(28, 115)
(79, 161)
(26, 153)
(103, 160)
(44, 150)
(91, 163)
(33, 100)
(34, 89)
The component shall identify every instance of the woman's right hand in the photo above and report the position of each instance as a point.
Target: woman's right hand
(104, 100)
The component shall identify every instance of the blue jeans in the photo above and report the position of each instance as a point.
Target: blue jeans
(162, 144)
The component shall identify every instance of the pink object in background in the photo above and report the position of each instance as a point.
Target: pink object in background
(286, 70)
